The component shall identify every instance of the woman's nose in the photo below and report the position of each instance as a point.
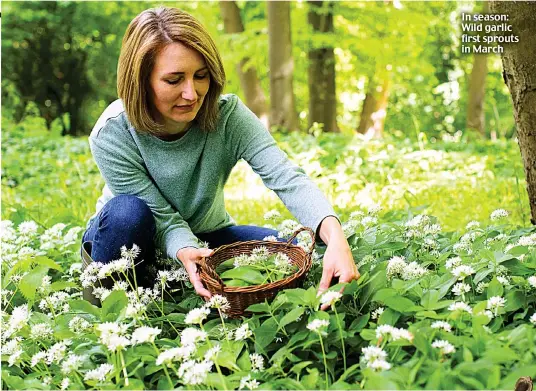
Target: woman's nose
(188, 93)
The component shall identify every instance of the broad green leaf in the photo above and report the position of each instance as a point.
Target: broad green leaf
(300, 366)
(296, 296)
(29, 284)
(244, 273)
(429, 299)
(359, 322)
(389, 316)
(290, 317)
(265, 333)
(312, 380)
(401, 304)
(383, 294)
(260, 307)
(236, 282)
(116, 302)
(516, 268)
(495, 288)
(515, 300)
(501, 355)
(45, 261)
(368, 334)
(60, 285)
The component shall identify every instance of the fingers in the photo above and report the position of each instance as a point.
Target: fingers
(191, 268)
(205, 252)
(199, 288)
(327, 275)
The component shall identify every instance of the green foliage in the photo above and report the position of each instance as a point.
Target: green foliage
(60, 58)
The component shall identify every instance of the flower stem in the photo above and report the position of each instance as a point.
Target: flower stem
(342, 339)
(164, 366)
(325, 362)
(215, 363)
(124, 368)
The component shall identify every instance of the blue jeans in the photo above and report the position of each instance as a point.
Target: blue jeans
(126, 219)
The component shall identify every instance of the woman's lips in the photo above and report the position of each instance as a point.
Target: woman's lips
(186, 108)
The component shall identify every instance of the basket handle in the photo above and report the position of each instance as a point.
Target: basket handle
(310, 232)
(209, 271)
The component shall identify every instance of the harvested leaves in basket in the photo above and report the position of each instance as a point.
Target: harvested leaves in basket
(259, 267)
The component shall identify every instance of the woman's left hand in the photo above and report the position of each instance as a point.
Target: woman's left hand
(338, 259)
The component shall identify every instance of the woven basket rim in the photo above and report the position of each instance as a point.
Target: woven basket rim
(302, 269)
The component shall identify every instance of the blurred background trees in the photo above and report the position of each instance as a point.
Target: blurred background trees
(377, 68)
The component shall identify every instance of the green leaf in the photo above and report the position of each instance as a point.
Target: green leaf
(114, 304)
(228, 356)
(481, 275)
(377, 381)
(45, 261)
(311, 380)
(495, 288)
(134, 384)
(368, 334)
(85, 307)
(501, 355)
(383, 294)
(296, 296)
(260, 307)
(518, 250)
(243, 362)
(401, 304)
(32, 281)
(389, 316)
(300, 366)
(244, 273)
(265, 333)
(236, 282)
(359, 322)
(515, 300)
(60, 285)
(164, 384)
(516, 268)
(290, 317)
(429, 299)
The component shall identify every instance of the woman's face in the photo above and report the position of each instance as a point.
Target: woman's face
(179, 82)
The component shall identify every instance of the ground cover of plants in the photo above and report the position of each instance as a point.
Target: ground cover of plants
(439, 231)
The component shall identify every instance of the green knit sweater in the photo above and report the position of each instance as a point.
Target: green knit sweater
(182, 181)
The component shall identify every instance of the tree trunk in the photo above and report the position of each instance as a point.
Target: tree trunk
(254, 95)
(282, 102)
(519, 73)
(322, 97)
(374, 109)
(477, 91)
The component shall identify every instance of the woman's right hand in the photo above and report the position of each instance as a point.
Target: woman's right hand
(188, 256)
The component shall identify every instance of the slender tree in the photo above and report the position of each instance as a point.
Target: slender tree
(374, 109)
(519, 73)
(322, 97)
(254, 95)
(282, 101)
(477, 90)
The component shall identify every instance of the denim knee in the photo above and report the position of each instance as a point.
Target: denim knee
(129, 214)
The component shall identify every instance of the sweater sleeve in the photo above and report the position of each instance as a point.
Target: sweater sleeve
(124, 172)
(251, 141)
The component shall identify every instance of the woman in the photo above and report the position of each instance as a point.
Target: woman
(167, 147)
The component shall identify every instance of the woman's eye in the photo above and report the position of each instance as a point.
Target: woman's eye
(201, 76)
(172, 81)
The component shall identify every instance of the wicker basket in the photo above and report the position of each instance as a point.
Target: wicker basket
(241, 298)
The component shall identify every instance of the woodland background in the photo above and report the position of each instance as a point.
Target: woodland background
(385, 67)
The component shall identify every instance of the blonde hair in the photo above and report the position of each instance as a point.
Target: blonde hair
(146, 35)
